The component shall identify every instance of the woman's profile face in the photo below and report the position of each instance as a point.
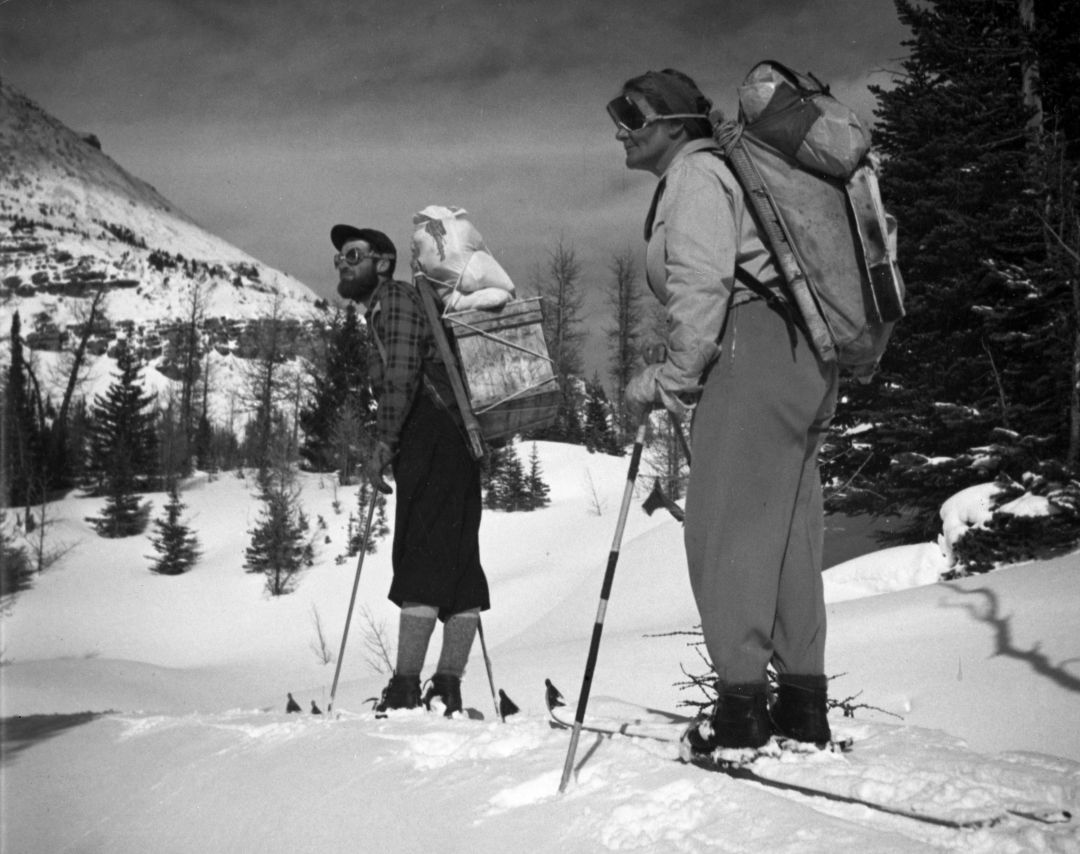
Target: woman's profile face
(646, 148)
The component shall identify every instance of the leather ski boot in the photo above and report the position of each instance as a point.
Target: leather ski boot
(403, 692)
(446, 688)
(739, 719)
(801, 707)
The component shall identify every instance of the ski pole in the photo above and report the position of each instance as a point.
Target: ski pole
(601, 611)
(352, 599)
(487, 664)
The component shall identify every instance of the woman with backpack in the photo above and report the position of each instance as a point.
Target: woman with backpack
(762, 400)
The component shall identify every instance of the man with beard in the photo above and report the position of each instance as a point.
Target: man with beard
(420, 438)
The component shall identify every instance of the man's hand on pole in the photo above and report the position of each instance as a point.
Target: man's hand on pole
(375, 466)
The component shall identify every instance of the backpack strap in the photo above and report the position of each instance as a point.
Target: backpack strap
(472, 426)
(426, 382)
(651, 217)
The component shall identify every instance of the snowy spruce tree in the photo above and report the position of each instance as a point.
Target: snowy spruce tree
(600, 434)
(176, 544)
(277, 548)
(507, 489)
(537, 488)
(379, 526)
(16, 571)
(981, 143)
(22, 461)
(280, 545)
(339, 411)
(507, 486)
(123, 450)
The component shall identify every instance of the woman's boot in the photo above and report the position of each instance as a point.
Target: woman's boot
(801, 708)
(739, 719)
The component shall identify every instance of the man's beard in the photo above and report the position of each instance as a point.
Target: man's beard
(358, 287)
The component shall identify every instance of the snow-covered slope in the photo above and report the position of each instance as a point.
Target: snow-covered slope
(72, 219)
(152, 708)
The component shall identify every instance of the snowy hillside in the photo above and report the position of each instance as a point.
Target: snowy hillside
(146, 713)
(72, 220)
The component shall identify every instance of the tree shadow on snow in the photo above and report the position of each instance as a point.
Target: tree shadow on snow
(989, 612)
(23, 731)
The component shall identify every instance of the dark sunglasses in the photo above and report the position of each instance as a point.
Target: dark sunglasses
(628, 116)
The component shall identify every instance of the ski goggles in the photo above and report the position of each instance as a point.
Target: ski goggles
(354, 256)
(628, 116)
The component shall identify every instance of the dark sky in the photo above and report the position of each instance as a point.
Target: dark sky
(267, 122)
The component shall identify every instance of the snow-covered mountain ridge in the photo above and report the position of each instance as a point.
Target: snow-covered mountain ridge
(72, 221)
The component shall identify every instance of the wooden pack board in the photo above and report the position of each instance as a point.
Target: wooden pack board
(507, 371)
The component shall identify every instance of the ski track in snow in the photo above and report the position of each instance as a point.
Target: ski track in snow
(625, 794)
(630, 795)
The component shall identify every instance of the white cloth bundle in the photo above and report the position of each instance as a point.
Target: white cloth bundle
(449, 251)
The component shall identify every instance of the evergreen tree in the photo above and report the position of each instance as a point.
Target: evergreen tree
(535, 487)
(507, 488)
(22, 463)
(123, 446)
(203, 446)
(599, 432)
(176, 544)
(986, 350)
(16, 570)
(379, 526)
(279, 452)
(278, 549)
(513, 492)
(491, 473)
(340, 402)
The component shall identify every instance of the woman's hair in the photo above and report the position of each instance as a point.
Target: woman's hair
(670, 91)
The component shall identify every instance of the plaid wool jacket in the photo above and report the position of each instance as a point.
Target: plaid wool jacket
(409, 362)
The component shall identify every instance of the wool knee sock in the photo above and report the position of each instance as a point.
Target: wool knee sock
(458, 634)
(414, 631)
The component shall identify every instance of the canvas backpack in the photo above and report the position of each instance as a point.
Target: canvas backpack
(805, 165)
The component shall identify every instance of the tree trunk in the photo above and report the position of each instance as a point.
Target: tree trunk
(1073, 455)
(1030, 72)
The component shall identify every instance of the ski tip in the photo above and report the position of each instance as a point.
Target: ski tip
(552, 696)
(1048, 816)
(507, 707)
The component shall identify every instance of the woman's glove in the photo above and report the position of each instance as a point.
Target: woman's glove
(641, 393)
(376, 464)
